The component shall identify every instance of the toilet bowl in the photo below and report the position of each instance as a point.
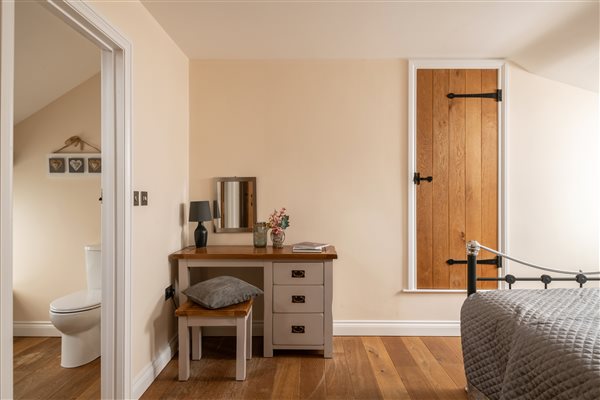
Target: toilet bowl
(77, 316)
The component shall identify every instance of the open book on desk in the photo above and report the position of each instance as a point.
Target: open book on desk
(309, 247)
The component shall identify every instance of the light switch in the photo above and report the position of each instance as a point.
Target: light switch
(136, 198)
(144, 198)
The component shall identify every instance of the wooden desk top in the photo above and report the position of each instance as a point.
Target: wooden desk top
(249, 253)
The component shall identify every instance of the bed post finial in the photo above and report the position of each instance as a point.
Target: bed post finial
(473, 247)
(472, 251)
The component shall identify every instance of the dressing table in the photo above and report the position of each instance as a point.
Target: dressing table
(297, 292)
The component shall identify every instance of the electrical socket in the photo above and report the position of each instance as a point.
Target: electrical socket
(169, 292)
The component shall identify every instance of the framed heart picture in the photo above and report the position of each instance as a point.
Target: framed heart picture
(76, 165)
(94, 165)
(56, 165)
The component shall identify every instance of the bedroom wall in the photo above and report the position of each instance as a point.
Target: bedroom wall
(54, 216)
(160, 126)
(554, 173)
(328, 140)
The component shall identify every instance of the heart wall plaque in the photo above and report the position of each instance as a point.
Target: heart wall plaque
(76, 165)
(56, 165)
(94, 165)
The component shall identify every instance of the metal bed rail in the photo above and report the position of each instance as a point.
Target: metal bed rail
(473, 248)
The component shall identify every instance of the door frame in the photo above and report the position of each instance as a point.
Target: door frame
(413, 66)
(7, 28)
(116, 193)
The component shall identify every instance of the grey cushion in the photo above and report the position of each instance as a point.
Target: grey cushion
(221, 291)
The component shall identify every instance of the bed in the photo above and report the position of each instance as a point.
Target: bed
(532, 344)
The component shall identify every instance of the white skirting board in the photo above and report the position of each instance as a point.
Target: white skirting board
(34, 328)
(395, 328)
(340, 328)
(364, 328)
(145, 378)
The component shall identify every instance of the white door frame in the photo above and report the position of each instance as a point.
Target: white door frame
(413, 66)
(116, 193)
(7, 25)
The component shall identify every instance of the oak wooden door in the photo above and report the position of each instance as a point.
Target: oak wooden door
(457, 145)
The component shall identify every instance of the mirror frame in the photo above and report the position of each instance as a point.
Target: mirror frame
(217, 229)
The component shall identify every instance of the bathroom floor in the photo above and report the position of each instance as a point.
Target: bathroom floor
(38, 374)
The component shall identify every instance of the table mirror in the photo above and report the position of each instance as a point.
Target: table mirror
(235, 207)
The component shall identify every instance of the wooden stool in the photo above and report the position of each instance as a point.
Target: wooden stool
(193, 315)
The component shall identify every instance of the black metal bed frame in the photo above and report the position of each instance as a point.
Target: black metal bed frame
(473, 250)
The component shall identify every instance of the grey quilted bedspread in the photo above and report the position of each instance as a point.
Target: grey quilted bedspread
(533, 344)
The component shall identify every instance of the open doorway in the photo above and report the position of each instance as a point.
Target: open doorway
(56, 208)
(115, 181)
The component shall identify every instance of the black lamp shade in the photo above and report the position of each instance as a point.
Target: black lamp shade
(200, 211)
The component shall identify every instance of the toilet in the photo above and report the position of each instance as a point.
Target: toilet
(77, 315)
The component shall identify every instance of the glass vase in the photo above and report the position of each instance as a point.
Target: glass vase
(259, 234)
(278, 239)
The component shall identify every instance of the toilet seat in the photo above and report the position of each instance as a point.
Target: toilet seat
(84, 300)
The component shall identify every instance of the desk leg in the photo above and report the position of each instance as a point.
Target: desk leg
(183, 280)
(268, 311)
(328, 315)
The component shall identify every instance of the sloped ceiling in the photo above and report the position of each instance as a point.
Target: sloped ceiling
(50, 58)
(558, 40)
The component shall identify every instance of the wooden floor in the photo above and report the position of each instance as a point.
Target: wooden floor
(38, 374)
(424, 368)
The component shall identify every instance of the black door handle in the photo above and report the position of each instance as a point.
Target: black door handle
(417, 178)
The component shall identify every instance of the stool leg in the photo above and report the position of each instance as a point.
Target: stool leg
(196, 342)
(184, 349)
(240, 351)
(249, 336)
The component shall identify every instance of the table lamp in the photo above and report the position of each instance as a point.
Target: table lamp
(200, 211)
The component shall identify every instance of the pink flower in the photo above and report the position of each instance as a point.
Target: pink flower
(278, 221)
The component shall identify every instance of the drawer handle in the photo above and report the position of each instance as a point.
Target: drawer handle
(297, 328)
(298, 273)
(298, 299)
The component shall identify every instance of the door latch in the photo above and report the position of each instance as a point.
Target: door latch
(417, 178)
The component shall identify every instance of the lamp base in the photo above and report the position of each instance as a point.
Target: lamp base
(200, 235)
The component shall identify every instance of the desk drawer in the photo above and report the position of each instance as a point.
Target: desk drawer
(298, 273)
(298, 299)
(297, 329)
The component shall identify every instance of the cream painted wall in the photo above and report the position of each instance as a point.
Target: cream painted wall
(554, 173)
(54, 216)
(327, 140)
(160, 127)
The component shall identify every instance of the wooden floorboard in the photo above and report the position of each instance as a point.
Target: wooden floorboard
(417, 368)
(415, 380)
(38, 374)
(443, 385)
(363, 380)
(389, 382)
(338, 384)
